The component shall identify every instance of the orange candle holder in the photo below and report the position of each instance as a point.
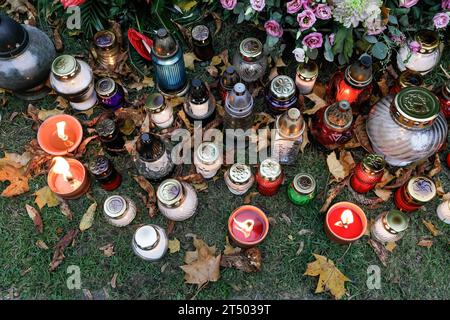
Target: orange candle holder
(69, 181)
(60, 135)
(345, 223)
(248, 226)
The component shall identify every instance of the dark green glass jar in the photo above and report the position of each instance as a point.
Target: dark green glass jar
(302, 189)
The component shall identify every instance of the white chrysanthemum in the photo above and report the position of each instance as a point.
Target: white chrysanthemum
(352, 12)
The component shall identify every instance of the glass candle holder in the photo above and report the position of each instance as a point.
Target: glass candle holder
(389, 226)
(110, 94)
(407, 79)
(250, 61)
(202, 42)
(444, 99)
(119, 211)
(106, 48)
(227, 82)
(74, 80)
(239, 109)
(414, 194)
(177, 201)
(150, 242)
(248, 226)
(345, 223)
(367, 173)
(239, 178)
(104, 172)
(60, 134)
(332, 125)
(198, 99)
(207, 159)
(160, 113)
(110, 135)
(67, 178)
(269, 177)
(288, 136)
(306, 77)
(443, 211)
(281, 95)
(302, 189)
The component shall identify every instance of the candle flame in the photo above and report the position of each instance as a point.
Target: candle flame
(62, 167)
(346, 219)
(61, 130)
(246, 227)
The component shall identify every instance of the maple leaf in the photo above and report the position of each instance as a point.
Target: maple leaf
(12, 169)
(45, 196)
(330, 278)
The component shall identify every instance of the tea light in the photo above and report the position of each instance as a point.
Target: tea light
(306, 77)
(119, 211)
(67, 178)
(248, 226)
(207, 159)
(60, 134)
(345, 222)
(150, 242)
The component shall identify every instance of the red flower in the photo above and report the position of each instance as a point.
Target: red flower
(136, 39)
(72, 3)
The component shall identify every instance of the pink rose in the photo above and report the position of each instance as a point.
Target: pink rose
(273, 29)
(407, 3)
(306, 19)
(445, 4)
(441, 20)
(322, 11)
(228, 4)
(294, 6)
(258, 5)
(398, 39)
(72, 3)
(331, 38)
(415, 46)
(313, 40)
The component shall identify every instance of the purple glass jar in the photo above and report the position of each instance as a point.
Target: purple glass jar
(110, 93)
(281, 94)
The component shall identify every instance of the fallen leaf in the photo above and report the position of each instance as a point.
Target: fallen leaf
(184, 118)
(174, 245)
(18, 183)
(113, 281)
(403, 175)
(319, 103)
(16, 160)
(383, 194)
(346, 159)
(149, 198)
(286, 218)
(387, 178)
(330, 278)
(336, 168)
(437, 167)
(425, 243)
(44, 114)
(305, 139)
(170, 227)
(65, 209)
(249, 197)
(41, 245)
(212, 70)
(301, 245)
(359, 129)
(390, 246)
(305, 232)
(81, 150)
(147, 82)
(45, 196)
(189, 59)
(229, 249)
(430, 226)
(58, 255)
(380, 250)
(191, 256)
(88, 217)
(248, 261)
(108, 250)
(333, 193)
(36, 217)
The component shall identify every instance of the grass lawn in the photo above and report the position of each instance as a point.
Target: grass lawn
(413, 272)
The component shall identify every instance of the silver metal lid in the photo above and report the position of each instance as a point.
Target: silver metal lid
(240, 173)
(270, 169)
(105, 87)
(282, 87)
(200, 33)
(170, 192)
(115, 206)
(421, 189)
(146, 237)
(251, 48)
(64, 66)
(207, 152)
(155, 103)
(304, 183)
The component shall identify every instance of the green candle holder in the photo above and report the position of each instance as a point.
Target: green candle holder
(302, 189)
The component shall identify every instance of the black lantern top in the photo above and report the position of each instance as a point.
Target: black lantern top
(13, 37)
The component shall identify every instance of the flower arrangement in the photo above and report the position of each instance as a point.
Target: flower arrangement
(340, 27)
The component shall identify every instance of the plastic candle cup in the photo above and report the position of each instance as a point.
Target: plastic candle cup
(60, 134)
(67, 178)
(345, 222)
(248, 226)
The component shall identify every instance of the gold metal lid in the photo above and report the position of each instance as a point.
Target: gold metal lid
(373, 163)
(170, 192)
(65, 66)
(282, 87)
(339, 116)
(208, 152)
(105, 39)
(251, 49)
(421, 189)
(410, 78)
(291, 123)
(240, 173)
(428, 40)
(270, 169)
(155, 103)
(304, 183)
(308, 71)
(115, 206)
(146, 237)
(105, 87)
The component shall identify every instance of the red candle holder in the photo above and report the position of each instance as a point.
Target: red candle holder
(444, 99)
(345, 223)
(414, 194)
(269, 177)
(248, 226)
(60, 135)
(67, 178)
(367, 173)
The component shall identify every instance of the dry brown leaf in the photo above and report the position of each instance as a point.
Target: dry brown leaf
(390, 246)
(301, 245)
(229, 249)
(108, 250)
(147, 82)
(403, 175)
(58, 255)
(65, 209)
(170, 227)
(44, 114)
(330, 278)
(113, 281)
(332, 194)
(12, 169)
(380, 250)
(437, 167)
(387, 178)
(185, 120)
(425, 243)
(359, 129)
(200, 187)
(383, 194)
(189, 59)
(174, 245)
(146, 186)
(41, 245)
(45, 196)
(431, 227)
(248, 261)
(36, 217)
(88, 217)
(249, 197)
(341, 168)
(319, 103)
(212, 70)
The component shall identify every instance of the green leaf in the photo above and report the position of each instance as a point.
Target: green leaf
(272, 41)
(328, 55)
(277, 16)
(241, 17)
(371, 39)
(392, 19)
(348, 45)
(404, 21)
(380, 50)
(290, 20)
(339, 39)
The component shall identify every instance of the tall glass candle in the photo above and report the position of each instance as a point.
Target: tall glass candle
(160, 113)
(110, 135)
(269, 177)
(444, 99)
(104, 172)
(288, 136)
(306, 76)
(202, 42)
(106, 48)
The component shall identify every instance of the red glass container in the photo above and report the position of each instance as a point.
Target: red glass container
(345, 222)
(406, 79)
(444, 99)
(105, 173)
(332, 126)
(414, 194)
(353, 85)
(367, 173)
(248, 226)
(269, 177)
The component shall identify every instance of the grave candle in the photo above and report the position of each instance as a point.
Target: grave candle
(67, 178)
(345, 222)
(248, 226)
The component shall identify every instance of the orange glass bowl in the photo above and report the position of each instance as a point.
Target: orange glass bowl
(63, 188)
(49, 141)
(341, 235)
(258, 231)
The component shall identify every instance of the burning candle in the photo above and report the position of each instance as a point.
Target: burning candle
(345, 222)
(60, 134)
(67, 178)
(248, 226)
(306, 77)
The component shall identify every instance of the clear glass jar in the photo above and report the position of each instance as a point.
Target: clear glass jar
(408, 127)
(73, 79)
(306, 77)
(443, 211)
(289, 129)
(389, 226)
(426, 58)
(239, 109)
(239, 178)
(250, 61)
(177, 200)
(119, 211)
(160, 113)
(107, 48)
(150, 242)
(207, 159)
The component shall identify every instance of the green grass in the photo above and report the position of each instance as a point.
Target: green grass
(413, 272)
